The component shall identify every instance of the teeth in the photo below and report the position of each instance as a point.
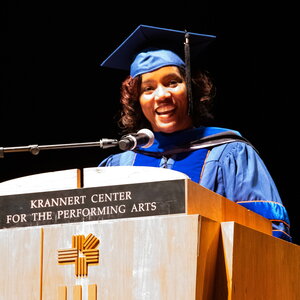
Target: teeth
(164, 109)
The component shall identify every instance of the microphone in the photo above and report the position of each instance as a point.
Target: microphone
(143, 137)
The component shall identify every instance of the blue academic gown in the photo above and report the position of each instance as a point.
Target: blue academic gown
(233, 170)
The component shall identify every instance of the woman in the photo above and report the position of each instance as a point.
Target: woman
(156, 96)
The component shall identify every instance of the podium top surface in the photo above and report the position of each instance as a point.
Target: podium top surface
(105, 176)
(99, 176)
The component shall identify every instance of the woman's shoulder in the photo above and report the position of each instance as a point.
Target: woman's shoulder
(233, 150)
(210, 130)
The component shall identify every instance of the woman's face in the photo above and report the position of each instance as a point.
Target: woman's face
(164, 100)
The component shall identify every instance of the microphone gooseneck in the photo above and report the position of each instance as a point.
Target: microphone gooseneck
(143, 138)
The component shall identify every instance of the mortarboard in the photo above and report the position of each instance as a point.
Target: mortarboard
(144, 37)
(148, 48)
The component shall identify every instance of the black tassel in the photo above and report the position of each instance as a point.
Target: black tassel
(188, 73)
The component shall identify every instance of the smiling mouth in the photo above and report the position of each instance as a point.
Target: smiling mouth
(165, 110)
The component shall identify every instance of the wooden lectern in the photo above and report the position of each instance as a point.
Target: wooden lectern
(136, 233)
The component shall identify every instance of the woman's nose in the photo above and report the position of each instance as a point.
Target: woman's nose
(161, 93)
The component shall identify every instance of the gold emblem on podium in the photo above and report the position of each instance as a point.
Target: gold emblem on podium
(83, 253)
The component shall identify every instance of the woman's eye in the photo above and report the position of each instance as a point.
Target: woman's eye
(148, 89)
(173, 83)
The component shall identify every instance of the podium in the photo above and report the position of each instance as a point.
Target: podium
(136, 233)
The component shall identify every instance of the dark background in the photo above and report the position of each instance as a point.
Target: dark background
(53, 90)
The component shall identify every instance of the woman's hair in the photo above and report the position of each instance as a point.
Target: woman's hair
(132, 118)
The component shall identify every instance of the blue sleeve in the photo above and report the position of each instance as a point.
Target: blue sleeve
(237, 172)
(106, 162)
(121, 159)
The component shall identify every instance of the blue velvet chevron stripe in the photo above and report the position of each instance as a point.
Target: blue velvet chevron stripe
(273, 211)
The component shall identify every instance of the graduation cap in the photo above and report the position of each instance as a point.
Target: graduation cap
(149, 48)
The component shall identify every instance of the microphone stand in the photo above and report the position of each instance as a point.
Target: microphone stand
(35, 149)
